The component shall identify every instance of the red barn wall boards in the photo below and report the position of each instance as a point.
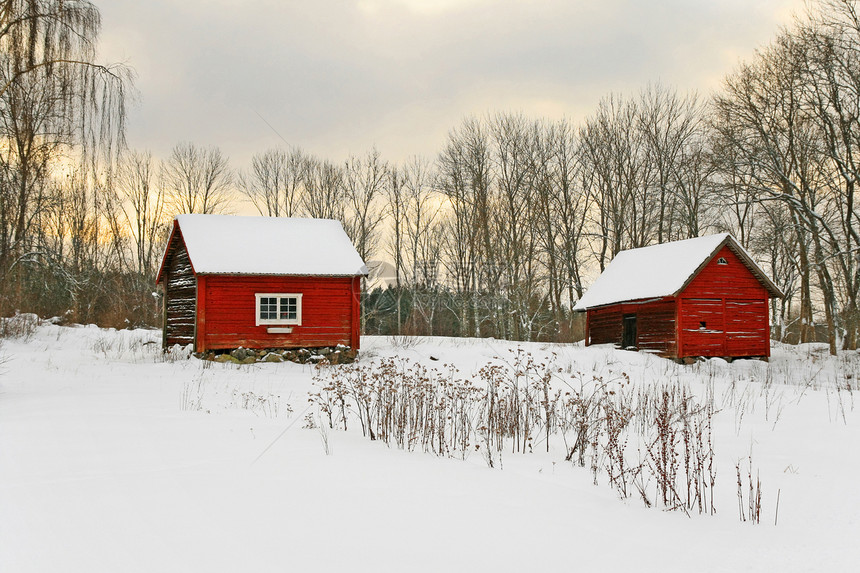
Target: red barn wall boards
(260, 282)
(699, 297)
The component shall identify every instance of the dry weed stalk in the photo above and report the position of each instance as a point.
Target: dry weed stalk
(749, 510)
(517, 403)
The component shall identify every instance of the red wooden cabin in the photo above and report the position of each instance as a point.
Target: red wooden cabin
(260, 282)
(698, 297)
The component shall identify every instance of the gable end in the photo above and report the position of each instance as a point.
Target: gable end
(745, 259)
(174, 242)
(180, 293)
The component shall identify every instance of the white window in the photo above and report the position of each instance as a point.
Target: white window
(279, 308)
(722, 261)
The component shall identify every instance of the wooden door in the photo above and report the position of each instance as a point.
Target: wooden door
(628, 333)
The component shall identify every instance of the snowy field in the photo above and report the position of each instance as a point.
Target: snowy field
(115, 458)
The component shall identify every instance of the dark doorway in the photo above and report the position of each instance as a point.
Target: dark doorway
(628, 334)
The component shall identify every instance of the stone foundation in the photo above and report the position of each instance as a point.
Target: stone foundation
(328, 354)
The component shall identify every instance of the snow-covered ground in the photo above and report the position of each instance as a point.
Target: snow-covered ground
(113, 458)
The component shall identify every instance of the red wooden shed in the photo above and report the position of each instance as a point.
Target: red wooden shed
(699, 297)
(260, 282)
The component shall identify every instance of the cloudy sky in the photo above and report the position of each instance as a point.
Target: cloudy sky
(338, 76)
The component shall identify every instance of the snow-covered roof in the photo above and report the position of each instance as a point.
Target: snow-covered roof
(227, 244)
(663, 270)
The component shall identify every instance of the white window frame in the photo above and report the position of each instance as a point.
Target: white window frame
(279, 295)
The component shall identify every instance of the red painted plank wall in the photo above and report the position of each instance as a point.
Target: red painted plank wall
(733, 280)
(227, 304)
(655, 325)
(604, 325)
(699, 340)
(732, 304)
(747, 328)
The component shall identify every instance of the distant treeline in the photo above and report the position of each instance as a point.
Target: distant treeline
(498, 235)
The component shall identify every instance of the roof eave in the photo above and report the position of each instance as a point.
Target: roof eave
(160, 274)
(240, 274)
(643, 300)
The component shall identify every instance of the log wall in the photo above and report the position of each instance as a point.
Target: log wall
(180, 292)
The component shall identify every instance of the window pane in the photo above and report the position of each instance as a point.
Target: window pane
(288, 309)
(268, 308)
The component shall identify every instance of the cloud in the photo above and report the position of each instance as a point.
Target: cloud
(422, 7)
(337, 76)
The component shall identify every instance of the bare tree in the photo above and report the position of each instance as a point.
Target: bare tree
(674, 145)
(275, 182)
(831, 42)
(733, 180)
(464, 178)
(561, 214)
(423, 238)
(364, 181)
(198, 180)
(612, 148)
(54, 99)
(773, 239)
(515, 245)
(396, 210)
(760, 115)
(421, 217)
(141, 194)
(324, 197)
